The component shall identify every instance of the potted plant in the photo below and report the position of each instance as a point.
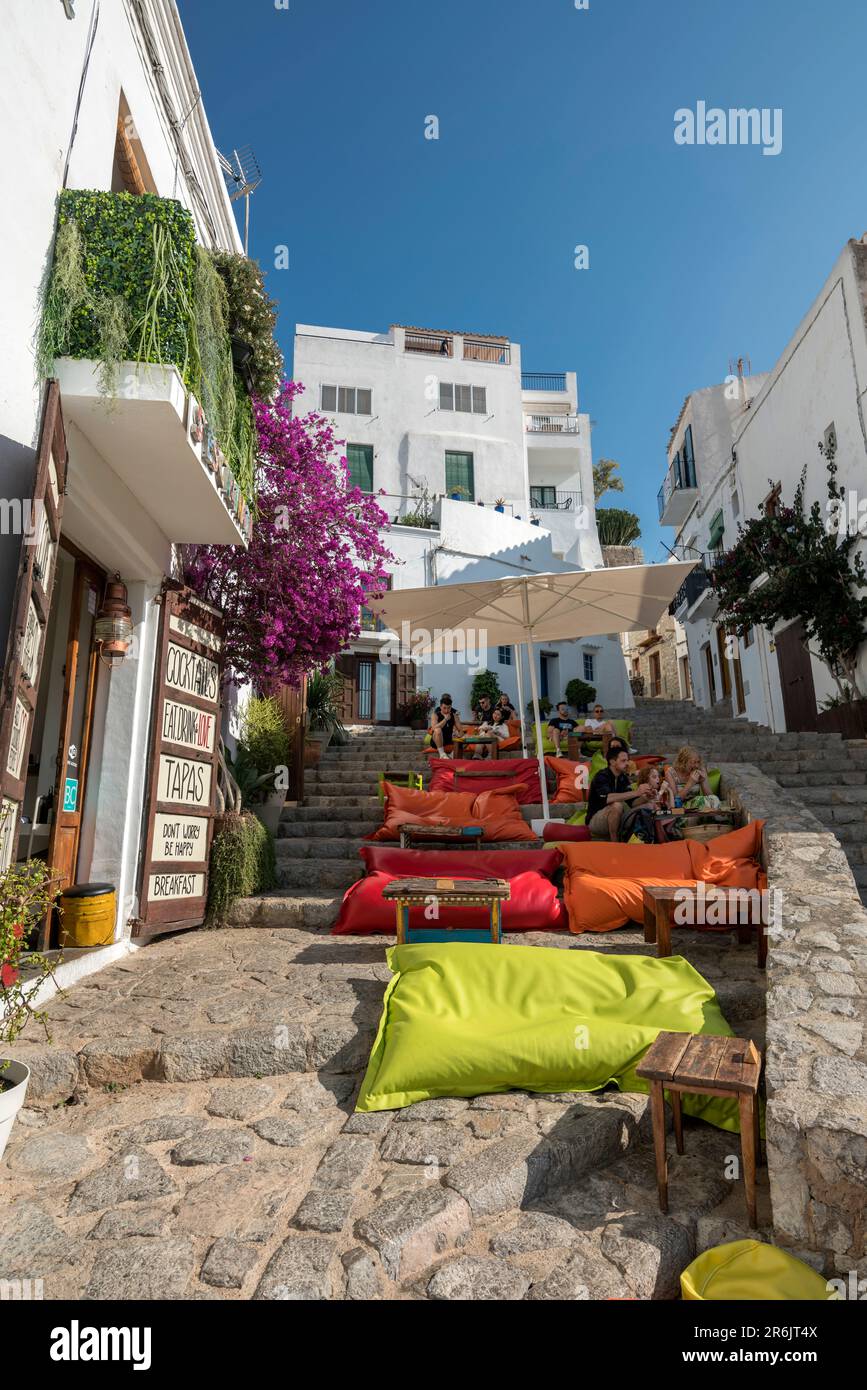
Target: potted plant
(500, 504)
(416, 710)
(534, 521)
(458, 494)
(27, 893)
(324, 689)
(260, 766)
(579, 693)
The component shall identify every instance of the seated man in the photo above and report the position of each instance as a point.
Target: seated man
(444, 724)
(610, 796)
(484, 709)
(597, 726)
(560, 725)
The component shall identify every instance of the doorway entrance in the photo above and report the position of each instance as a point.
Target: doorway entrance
(796, 680)
(63, 726)
(373, 690)
(725, 675)
(708, 666)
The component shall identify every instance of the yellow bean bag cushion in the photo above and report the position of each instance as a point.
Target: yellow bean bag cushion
(747, 1270)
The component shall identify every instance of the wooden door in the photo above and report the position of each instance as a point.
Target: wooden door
(293, 704)
(796, 680)
(404, 685)
(76, 718)
(725, 675)
(711, 682)
(25, 647)
(346, 666)
(740, 698)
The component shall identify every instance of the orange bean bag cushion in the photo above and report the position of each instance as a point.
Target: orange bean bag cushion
(406, 804)
(500, 814)
(604, 880)
(497, 811)
(573, 779)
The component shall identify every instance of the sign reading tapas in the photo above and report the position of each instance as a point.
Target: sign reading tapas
(194, 728)
(192, 674)
(184, 780)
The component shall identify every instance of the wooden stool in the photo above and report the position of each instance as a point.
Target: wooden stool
(448, 892)
(705, 1066)
(660, 904)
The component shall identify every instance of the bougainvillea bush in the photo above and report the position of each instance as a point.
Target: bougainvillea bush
(294, 597)
(811, 569)
(27, 893)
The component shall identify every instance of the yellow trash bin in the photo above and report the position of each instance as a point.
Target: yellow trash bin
(747, 1270)
(88, 913)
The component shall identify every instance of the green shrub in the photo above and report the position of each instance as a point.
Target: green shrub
(616, 526)
(579, 693)
(263, 735)
(242, 863)
(484, 683)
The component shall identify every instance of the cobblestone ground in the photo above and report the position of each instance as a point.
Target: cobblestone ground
(190, 1133)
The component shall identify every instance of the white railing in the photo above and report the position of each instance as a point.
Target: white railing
(551, 424)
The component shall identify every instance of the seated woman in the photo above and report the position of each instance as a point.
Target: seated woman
(496, 727)
(597, 726)
(505, 704)
(688, 781)
(444, 724)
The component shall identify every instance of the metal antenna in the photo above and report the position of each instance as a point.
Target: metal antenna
(243, 176)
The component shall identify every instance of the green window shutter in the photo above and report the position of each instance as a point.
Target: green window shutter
(359, 458)
(717, 529)
(459, 474)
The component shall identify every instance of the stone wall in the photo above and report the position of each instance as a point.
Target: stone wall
(816, 1061)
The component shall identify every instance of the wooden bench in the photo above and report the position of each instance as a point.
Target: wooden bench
(661, 902)
(706, 1066)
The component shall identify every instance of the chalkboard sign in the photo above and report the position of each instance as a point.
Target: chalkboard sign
(182, 765)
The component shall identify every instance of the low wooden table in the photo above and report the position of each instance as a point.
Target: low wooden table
(461, 740)
(705, 1066)
(413, 836)
(660, 904)
(452, 893)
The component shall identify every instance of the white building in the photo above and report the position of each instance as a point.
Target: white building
(751, 439)
(484, 470)
(112, 106)
(700, 498)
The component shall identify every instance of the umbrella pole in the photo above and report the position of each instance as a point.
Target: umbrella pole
(520, 698)
(534, 687)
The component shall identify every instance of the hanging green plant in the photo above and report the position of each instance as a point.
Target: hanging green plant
(252, 316)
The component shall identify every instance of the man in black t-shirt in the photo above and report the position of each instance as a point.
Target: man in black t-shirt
(610, 794)
(560, 725)
(484, 710)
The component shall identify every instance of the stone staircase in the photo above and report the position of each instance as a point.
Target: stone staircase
(825, 772)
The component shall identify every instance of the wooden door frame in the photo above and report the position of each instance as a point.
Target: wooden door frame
(810, 723)
(85, 569)
(708, 662)
(724, 672)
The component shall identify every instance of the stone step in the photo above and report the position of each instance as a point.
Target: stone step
(342, 801)
(821, 779)
(290, 847)
(316, 873)
(845, 796)
(287, 908)
(324, 829)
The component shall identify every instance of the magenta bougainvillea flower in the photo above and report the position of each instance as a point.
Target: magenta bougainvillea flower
(293, 598)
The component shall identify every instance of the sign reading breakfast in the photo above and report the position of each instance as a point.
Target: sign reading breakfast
(185, 741)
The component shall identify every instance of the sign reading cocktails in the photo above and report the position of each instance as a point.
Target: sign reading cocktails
(183, 765)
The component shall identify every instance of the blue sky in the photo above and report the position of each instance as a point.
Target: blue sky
(556, 129)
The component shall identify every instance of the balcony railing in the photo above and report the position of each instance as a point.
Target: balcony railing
(480, 350)
(543, 381)
(697, 582)
(551, 424)
(442, 344)
(680, 477)
(546, 499)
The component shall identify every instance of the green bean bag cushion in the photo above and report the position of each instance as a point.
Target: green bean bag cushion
(580, 816)
(547, 745)
(713, 780)
(468, 1019)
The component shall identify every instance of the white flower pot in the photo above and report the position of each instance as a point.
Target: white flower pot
(269, 811)
(11, 1099)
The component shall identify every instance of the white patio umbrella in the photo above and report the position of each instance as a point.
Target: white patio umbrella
(532, 608)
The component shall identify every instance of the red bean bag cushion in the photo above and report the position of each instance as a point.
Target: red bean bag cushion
(563, 832)
(445, 773)
(533, 905)
(573, 779)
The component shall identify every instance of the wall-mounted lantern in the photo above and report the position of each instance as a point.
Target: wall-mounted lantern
(113, 629)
